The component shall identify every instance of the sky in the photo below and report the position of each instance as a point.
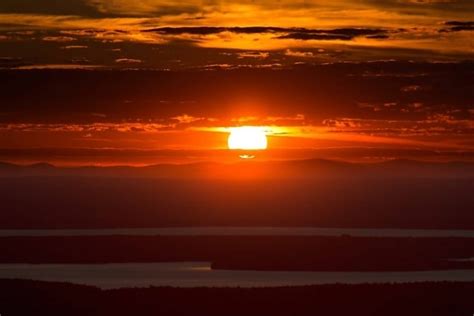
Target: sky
(148, 81)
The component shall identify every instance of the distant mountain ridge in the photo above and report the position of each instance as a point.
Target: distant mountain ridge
(267, 169)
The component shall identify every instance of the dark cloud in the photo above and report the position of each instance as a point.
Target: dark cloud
(49, 7)
(309, 89)
(456, 26)
(11, 62)
(351, 31)
(378, 36)
(315, 36)
(208, 30)
(91, 9)
(164, 10)
(423, 7)
(289, 33)
(178, 52)
(108, 8)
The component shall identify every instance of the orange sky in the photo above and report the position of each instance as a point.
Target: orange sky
(195, 33)
(138, 82)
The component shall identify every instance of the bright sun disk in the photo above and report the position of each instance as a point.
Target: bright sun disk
(247, 138)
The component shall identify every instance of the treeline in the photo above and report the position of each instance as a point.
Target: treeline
(20, 298)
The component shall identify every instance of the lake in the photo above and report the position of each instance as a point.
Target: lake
(241, 231)
(200, 274)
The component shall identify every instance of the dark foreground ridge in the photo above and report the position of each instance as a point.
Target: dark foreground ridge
(53, 299)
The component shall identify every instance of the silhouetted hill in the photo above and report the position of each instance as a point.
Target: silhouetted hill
(8, 167)
(254, 169)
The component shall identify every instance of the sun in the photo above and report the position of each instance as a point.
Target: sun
(247, 138)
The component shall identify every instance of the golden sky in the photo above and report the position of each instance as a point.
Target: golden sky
(119, 81)
(167, 34)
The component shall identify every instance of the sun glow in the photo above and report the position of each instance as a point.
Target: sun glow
(247, 138)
